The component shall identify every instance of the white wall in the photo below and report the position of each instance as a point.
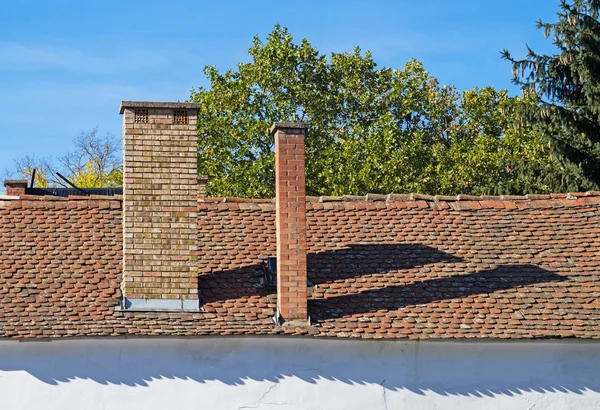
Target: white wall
(293, 373)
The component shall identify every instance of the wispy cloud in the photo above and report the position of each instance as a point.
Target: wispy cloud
(42, 117)
(409, 44)
(461, 38)
(55, 103)
(35, 57)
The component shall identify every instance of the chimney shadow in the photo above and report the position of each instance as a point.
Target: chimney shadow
(394, 297)
(366, 278)
(359, 260)
(232, 284)
(352, 261)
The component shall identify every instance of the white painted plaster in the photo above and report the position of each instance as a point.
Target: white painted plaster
(293, 373)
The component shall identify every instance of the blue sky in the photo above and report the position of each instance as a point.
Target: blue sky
(66, 65)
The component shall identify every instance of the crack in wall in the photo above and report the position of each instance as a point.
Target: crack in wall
(531, 403)
(255, 404)
(384, 394)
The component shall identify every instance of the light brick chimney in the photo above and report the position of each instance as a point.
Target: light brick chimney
(160, 195)
(290, 186)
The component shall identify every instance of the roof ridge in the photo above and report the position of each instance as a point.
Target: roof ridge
(371, 197)
(376, 203)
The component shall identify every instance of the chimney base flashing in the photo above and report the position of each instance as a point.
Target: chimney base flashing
(161, 305)
(296, 323)
(279, 321)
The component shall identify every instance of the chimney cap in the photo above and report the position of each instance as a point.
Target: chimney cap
(294, 125)
(16, 183)
(158, 104)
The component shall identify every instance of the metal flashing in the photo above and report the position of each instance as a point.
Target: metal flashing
(161, 305)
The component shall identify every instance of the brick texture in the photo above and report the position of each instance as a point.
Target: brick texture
(290, 221)
(159, 202)
(15, 186)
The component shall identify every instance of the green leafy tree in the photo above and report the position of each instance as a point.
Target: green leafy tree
(566, 86)
(371, 129)
(491, 152)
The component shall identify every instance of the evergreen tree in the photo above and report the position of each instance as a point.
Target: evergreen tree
(567, 87)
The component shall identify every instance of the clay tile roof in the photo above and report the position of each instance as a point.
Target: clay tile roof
(382, 266)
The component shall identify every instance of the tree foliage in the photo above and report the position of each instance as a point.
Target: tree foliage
(24, 167)
(371, 129)
(566, 86)
(94, 162)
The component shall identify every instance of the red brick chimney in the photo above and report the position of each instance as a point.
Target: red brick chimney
(290, 186)
(15, 186)
(160, 210)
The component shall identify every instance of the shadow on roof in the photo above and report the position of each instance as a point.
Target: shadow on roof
(420, 292)
(353, 261)
(359, 260)
(365, 278)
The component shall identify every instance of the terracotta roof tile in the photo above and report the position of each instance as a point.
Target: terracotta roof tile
(396, 267)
